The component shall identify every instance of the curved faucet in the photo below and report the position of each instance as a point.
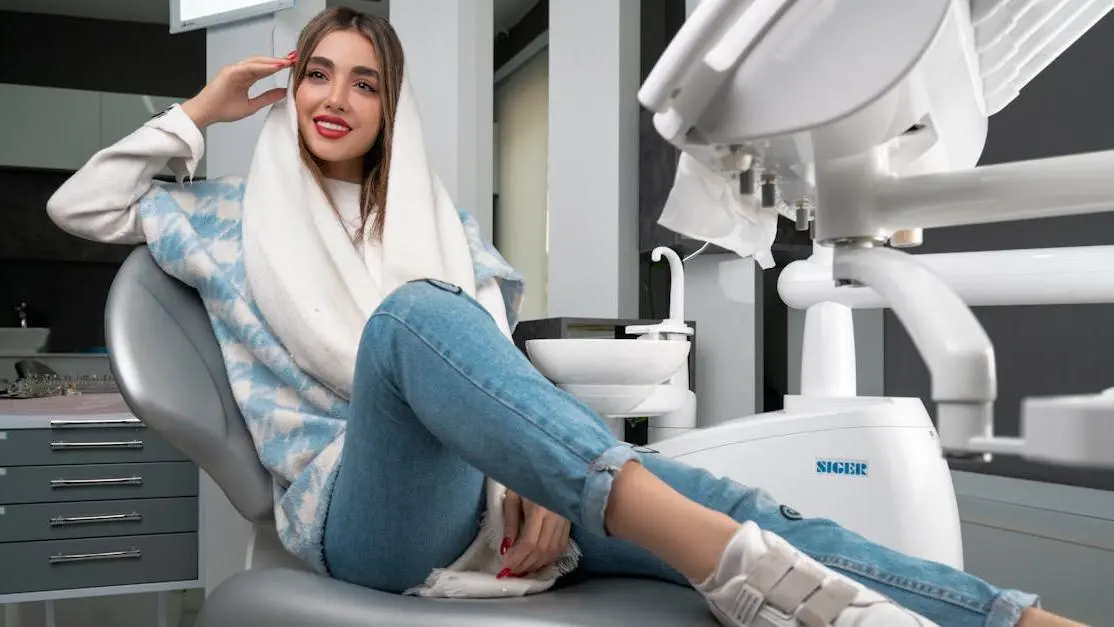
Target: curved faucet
(676, 281)
(675, 323)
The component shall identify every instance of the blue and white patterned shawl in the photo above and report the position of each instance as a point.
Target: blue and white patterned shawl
(298, 425)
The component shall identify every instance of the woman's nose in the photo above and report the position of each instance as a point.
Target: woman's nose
(338, 99)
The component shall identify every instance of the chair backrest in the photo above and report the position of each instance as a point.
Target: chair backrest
(168, 366)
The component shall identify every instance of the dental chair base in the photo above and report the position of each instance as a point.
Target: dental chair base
(873, 465)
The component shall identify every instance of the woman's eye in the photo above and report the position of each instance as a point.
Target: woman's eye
(316, 75)
(365, 86)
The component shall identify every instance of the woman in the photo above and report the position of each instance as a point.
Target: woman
(365, 328)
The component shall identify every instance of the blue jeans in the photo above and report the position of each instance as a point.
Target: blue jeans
(442, 399)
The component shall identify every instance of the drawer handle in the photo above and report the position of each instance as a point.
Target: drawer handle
(94, 446)
(65, 521)
(93, 557)
(61, 423)
(86, 483)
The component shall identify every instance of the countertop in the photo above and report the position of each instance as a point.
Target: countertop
(1021, 468)
(32, 413)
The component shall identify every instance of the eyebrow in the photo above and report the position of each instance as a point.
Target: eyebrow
(359, 70)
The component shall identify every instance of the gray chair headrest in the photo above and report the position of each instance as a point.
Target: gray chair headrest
(168, 366)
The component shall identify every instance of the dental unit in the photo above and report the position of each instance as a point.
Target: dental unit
(864, 122)
(876, 132)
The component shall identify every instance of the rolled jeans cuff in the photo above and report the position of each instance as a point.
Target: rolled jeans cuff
(597, 488)
(1007, 608)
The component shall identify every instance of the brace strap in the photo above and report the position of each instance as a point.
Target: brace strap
(793, 587)
(825, 606)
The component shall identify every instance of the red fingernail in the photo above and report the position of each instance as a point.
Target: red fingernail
(506, 545)
(503, 573)
(292, 53)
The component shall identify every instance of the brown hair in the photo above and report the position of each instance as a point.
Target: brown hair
(377, 161)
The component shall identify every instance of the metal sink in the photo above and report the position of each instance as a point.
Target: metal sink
(21, 340)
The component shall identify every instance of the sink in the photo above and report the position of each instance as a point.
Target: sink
(611, 401)
(580, 361)
(20, 340)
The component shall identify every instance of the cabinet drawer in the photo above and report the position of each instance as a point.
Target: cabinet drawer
(126, 560)
(97, 519)
(52, 484)
(85, 445)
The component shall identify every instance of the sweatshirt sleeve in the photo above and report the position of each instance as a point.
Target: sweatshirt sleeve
(99, 202)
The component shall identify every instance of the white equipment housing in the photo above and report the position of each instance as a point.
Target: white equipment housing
(865, 120)
(872, 465)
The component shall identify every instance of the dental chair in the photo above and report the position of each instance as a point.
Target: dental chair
(168, 366)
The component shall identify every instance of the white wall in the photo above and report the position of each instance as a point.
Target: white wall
(229, 147)
(450, 47)
(593, 158)
(721, 297)
(522, 142)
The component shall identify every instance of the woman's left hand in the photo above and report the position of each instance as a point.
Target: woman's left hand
(534, 537)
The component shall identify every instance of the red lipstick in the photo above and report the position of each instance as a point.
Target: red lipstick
(331, 127)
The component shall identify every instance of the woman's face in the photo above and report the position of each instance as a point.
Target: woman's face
(339, 110)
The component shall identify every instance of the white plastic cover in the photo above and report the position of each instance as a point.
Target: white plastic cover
(1017, 39)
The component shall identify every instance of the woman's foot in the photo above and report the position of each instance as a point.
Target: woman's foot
(762, 581)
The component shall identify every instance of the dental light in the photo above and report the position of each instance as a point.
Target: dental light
(864, 120)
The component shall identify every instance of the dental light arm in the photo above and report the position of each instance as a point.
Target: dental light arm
(869, 118)
(1038, 276)
(962, 366)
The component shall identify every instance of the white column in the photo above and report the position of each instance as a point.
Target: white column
(449, 47)
(593, 157)
(229, 148)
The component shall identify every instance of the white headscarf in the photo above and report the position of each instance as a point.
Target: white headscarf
(309, 282)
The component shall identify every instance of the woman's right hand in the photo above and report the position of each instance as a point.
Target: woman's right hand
(225, 98)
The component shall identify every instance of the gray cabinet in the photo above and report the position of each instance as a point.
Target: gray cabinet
(92, 503)
(98, 562)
